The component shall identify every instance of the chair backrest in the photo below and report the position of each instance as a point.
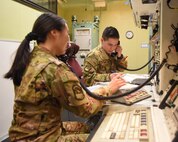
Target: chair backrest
(71, 52)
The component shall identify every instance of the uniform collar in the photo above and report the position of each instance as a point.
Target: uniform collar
(104, 53)
(43, 50)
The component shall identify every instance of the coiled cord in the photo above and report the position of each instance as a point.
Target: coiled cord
(138, 68)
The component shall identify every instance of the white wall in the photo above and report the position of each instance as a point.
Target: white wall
(16, 22)
(7, 50)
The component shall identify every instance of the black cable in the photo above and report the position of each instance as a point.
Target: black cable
(150, 70)
(173, 27)
(138, 68)
(169, 47)
(168, 4)
(172, 67)
(163, 102)
(176, 137)
(124, 94)
(173, 41)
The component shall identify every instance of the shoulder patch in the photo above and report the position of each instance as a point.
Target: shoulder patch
(78, 93)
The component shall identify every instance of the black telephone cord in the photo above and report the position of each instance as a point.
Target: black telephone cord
(138, 68)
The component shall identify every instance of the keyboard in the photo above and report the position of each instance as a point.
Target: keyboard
(132, 98)
(128, 125)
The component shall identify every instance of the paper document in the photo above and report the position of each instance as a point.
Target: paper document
(127, 86)
(130, 77)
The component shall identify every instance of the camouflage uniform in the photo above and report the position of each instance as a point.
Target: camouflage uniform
(47, 86)
(98, 66)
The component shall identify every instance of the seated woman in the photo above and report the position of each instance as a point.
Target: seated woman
(44, 85)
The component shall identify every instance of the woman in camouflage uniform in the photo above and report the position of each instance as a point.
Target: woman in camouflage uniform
(44, 85)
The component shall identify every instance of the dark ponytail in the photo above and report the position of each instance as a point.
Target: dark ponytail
(42, 26)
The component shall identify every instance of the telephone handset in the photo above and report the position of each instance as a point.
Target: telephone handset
(114, 54)
(63, 58)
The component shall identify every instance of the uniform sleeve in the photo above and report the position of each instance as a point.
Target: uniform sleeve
(123, 62)
(71, 95)
(90, 72)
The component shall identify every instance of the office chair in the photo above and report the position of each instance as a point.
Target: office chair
(71, 52)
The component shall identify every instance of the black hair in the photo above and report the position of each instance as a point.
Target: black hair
(42, 26)
(110, 32)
